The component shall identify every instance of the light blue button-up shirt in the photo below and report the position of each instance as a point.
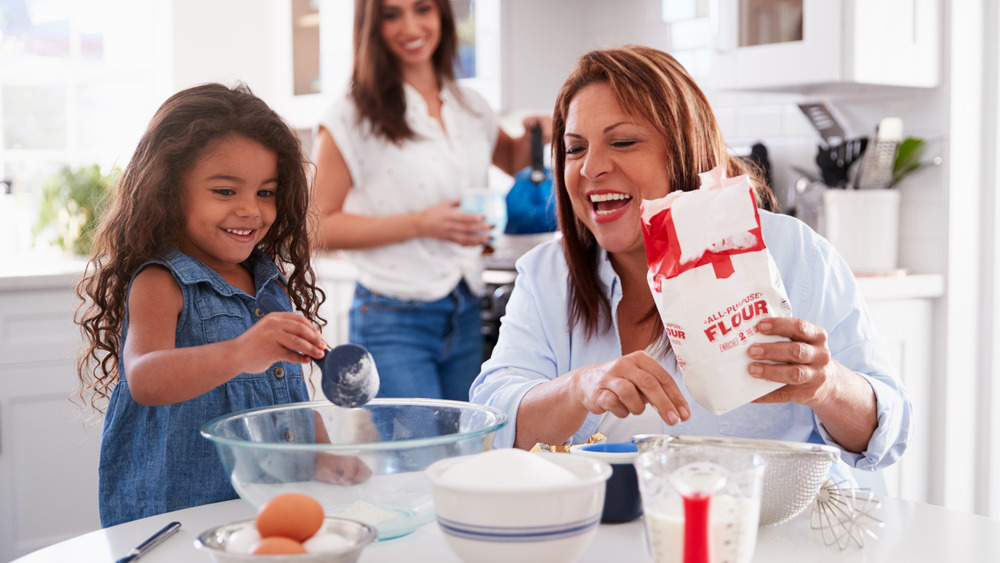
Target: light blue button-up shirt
(535, 345)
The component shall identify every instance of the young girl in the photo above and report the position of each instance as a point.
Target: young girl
(210, 213)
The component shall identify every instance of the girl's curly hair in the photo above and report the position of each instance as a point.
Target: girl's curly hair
(144, 216)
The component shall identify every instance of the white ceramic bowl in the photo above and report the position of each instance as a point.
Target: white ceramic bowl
(358, 535)
(525, 524)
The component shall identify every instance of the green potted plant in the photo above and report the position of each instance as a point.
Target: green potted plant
(72, 201)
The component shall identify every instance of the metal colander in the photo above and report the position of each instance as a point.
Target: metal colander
(794, 474)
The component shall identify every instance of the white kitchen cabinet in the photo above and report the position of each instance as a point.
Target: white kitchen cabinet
(48, 445)
(805, 44)
(902, 310)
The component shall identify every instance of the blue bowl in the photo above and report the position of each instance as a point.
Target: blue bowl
(622, 502)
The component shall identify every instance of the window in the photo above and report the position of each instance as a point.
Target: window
(76, 89)
(477, 23)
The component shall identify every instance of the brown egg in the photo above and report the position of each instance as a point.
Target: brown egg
(291, 515)
(277, 545)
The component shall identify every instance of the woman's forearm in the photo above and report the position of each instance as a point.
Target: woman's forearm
(342, 231)
(547, 414)
(850, 412)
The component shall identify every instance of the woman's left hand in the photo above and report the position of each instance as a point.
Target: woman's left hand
(803, 363)
(843, 400)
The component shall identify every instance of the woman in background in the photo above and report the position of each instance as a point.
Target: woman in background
(392, 159)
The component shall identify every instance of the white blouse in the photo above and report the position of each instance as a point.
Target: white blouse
(391, 179)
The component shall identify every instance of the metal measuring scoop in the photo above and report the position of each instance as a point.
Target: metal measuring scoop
(350, 378)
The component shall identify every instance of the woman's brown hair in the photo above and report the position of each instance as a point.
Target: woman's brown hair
(652, 85)
(376, 80)
(144, 217)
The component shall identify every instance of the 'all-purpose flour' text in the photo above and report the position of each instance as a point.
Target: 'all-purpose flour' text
(748, 308)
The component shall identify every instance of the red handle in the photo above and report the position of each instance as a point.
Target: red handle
(697, 544)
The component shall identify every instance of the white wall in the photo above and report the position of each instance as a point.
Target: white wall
(222, 41)
(543, 39)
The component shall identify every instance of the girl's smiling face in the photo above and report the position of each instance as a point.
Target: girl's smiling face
(411, 30)
(614, 160)
(228, 201)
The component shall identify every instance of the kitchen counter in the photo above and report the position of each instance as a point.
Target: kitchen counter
(35, 274)
(42, 503)
(913, 532)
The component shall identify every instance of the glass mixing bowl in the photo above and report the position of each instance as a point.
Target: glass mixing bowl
(366, 464)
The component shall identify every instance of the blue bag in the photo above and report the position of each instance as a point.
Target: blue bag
(531, 206)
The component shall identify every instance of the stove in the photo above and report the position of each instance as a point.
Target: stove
(493, 304)
(499, 275)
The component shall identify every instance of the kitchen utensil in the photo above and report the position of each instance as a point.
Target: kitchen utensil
(835, 161)
(845, 515)
(350, 378)
(808, 175)
(822, 119)
(489, 522)
(701, 502)
(364, 464)
(795, 470)
(759, 156)
(538, 174)
(355, 536)
(153, 541)
(876, 167)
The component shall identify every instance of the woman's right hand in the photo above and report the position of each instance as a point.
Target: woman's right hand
(445, 221)
(626, 385)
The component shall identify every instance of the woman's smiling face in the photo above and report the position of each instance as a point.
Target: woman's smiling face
(614, 160)
(411, 30)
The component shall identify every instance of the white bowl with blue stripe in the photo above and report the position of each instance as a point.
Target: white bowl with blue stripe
(524, 523)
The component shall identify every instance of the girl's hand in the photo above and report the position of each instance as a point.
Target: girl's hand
(445, 221)
(624, 386)
(340, 469)
(803, 363)
(280, 336)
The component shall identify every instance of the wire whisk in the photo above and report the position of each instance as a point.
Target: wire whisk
(844, 516)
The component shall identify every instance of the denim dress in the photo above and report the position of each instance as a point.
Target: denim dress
(153, 459)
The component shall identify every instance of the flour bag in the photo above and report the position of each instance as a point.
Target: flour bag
(713, 280)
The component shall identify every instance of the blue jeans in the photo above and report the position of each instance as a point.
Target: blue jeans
(422, 349)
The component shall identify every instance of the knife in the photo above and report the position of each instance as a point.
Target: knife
(153, 541)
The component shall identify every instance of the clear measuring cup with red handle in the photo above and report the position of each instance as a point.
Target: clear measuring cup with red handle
(701, 502)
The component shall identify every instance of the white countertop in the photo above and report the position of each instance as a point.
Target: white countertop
(913, 532)
(66, 272)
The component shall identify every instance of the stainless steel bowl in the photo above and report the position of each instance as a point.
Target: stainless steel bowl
(355, 534)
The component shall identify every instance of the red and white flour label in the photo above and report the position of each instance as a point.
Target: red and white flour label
(713, 280)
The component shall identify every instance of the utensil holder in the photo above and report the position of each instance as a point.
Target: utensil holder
(863, 225)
